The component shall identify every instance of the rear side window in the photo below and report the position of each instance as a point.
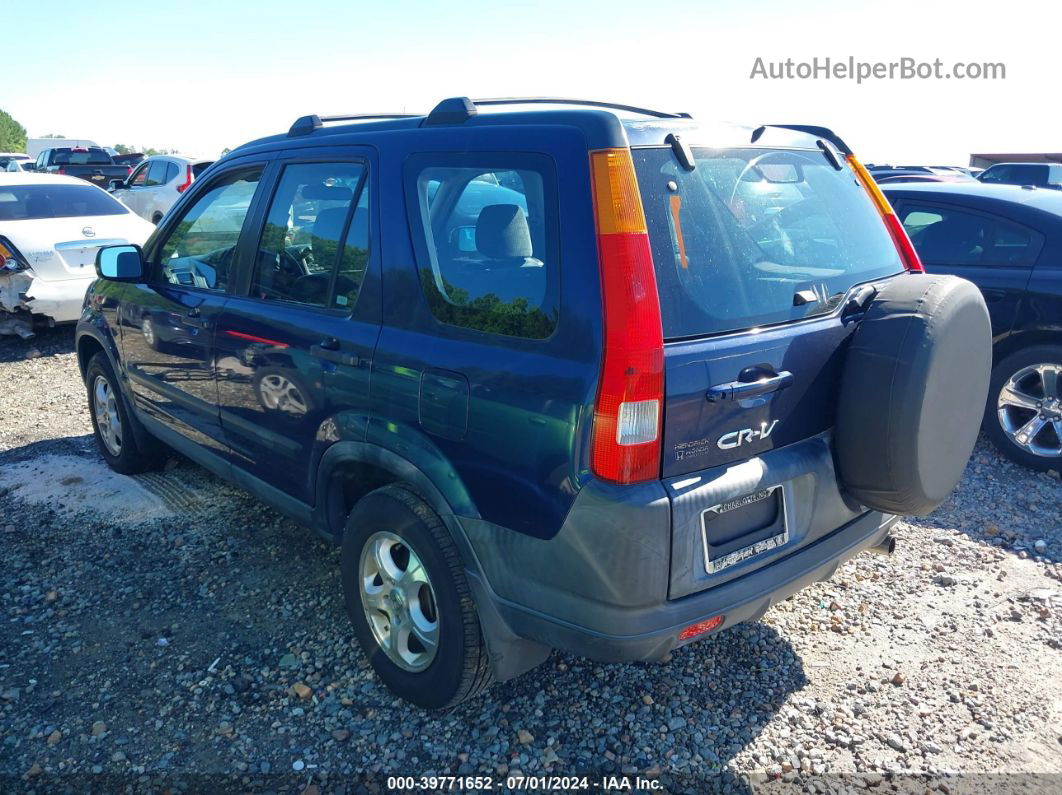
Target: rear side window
(30, 202)
(736, 239)
(944, 235)
(315, 245)
(487, 248)
(156, 173)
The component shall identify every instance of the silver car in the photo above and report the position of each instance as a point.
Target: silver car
(155, 185)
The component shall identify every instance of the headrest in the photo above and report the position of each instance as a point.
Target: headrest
(502, 232)
(332, 193)
(329, 224)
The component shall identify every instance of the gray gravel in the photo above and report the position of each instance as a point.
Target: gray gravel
(211, 640)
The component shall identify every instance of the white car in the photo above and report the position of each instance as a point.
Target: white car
(156, 184)
(50, 229)
(15, 161)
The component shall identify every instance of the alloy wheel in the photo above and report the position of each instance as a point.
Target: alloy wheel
(105, 408)
(399, 601)
(1029, 407)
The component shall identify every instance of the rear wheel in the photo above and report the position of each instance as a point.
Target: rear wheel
(112, 425)
(1023, 416)
(409, 600)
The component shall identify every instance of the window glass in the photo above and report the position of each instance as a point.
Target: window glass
(491, 265)
(82, 157)
(200, 248)
(156, 173)
(140, 176)
(736, 239)
(946, 236)
(62, 200)
(301, 255)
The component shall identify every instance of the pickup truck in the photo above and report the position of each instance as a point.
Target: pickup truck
(89, 163)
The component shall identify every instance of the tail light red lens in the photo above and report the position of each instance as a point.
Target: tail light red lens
(628, 413)
(128, 170)
(61, 170)
(187, 180)
(903, 244)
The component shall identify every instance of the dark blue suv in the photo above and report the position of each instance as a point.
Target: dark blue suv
(556, 374)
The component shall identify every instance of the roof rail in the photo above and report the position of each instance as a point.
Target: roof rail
(457, 110)
(304, 125)
(819, 132)
(592, 103)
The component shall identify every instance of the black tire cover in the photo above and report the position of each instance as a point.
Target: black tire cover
(913, 392)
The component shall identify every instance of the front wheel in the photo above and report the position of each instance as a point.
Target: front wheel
(1024, 412)
(112, 425)
(409, 600)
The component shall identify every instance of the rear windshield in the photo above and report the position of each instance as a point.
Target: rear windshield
(74, 157)
(31, 202)
(735, 240)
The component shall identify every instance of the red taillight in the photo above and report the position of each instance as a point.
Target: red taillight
(627, 416)
(898, 234)
(187, 181)
(61, 170)
(128, 170)
(693, 630)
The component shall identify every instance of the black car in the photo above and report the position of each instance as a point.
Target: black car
(1041, 175)
(1007, 240)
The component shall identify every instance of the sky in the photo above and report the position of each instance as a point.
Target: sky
(202, 75)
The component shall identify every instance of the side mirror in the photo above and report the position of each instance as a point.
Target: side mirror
(115, 184)
(120, 263)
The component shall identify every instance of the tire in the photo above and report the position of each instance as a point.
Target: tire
(1027, 372)
(105, 398)
(279, 390)
(147, 330)
(913, 393)
(458, 669)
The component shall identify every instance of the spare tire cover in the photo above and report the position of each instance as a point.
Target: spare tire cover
(913, 392)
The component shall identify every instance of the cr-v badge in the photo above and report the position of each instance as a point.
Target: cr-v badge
(728, 441)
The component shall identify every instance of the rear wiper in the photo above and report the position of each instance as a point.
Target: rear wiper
(682, 151)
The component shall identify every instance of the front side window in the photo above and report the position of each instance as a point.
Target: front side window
(489, 255)
(139, 176)
(315, 245)
(947, 236)
(738, 237)
(201, 247)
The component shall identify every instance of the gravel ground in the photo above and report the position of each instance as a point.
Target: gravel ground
(209, 640)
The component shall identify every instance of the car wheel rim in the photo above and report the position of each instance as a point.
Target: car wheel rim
(1030, 409)
(149, 331)
(105, 408)
(399, 601)
(280, 394)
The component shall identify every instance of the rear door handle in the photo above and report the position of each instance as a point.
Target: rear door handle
(328, 349)
(193, 318)
(739, 390)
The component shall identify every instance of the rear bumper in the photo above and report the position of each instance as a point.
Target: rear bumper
(59, 300)
(612, 634)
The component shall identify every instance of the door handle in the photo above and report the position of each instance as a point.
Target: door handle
(193, 318)
(739, 390)
(328, 349)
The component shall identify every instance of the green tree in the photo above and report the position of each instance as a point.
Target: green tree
(12, 134)
(122, 149)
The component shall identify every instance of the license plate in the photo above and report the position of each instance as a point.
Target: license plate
(770, 535)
